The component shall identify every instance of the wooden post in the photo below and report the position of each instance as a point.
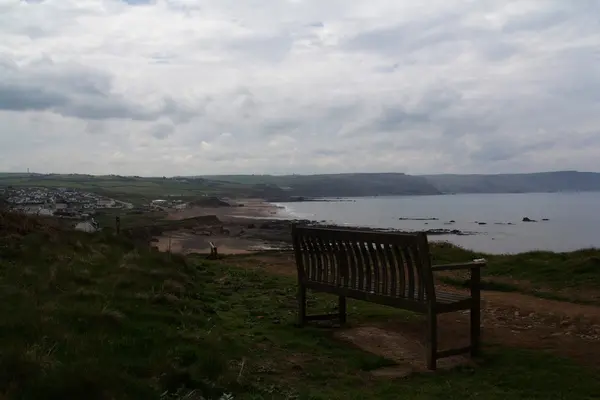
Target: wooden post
(301, 296)
(301, 304)
(213, 250)
(118, 224)
(342, 309)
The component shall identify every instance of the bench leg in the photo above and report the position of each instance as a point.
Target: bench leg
(431, 340)
(475, 328)
(475, 311)
(301, 305)
(342, 309)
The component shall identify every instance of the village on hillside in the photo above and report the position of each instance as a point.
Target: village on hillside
(61, 202)
(76, 205)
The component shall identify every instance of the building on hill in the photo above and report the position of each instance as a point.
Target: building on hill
(45, 212)
(105, 203)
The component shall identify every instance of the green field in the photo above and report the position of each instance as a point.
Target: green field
(132, 189)
(93, 316)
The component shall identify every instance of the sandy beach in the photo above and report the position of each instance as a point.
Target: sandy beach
(246, 226)
(244, 208)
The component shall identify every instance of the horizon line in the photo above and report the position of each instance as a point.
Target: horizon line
(296, 174)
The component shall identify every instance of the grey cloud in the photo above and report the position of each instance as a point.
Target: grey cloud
(73, 91)
(536, 22)
(553, 14)
(394, 119)
(508, 149)
(161, 131)
(23, 98)
(328, 152)
(443, 37)
(272, 48)
(138, 2)
(396, 40)
(95, 127)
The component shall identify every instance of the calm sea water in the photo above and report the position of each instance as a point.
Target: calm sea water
(573, 218)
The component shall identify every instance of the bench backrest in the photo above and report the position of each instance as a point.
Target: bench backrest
(382, 263)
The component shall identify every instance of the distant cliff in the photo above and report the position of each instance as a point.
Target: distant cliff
(339, 185)
(285, 187)
(561, 181)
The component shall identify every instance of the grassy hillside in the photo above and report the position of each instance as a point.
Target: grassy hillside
(277, 187)
(139, 189)
(563, 181)
(92, 316)
(339, 185)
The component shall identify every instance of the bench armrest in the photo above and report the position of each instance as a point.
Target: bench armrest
(457, 266)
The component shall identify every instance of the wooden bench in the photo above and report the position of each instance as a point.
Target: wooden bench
(393, 269)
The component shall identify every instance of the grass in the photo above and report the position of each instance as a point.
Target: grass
(93, 316)
(130, 220)
(540, 269)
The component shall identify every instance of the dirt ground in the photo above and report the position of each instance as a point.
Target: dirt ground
(510, 319)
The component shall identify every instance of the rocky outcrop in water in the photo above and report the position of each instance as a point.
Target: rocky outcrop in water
(417, 219)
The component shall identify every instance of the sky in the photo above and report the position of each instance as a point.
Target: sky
(191, 87)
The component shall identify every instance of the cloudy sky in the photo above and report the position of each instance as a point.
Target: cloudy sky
(185, 87)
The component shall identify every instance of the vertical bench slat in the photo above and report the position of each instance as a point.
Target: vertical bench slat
(419, 278)
(318, 258)
(377, 281)
(401, 270)
(352, 264)
(335, 262)
(359, 263)
(382, 268)
(313, 258)
(324, 258)
(428, 286)
(391, 261)
(385, 269)
(366, 264)
(410, 276)
(299, 255)
(341, 262)
(306, 256)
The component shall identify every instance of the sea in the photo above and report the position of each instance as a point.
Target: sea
(490, 223)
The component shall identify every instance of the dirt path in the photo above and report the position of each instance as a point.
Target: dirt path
(511, 319)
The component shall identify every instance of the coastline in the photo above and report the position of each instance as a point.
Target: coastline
(247, 226)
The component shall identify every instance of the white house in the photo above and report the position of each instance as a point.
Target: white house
(46, 212)
(105, 203)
